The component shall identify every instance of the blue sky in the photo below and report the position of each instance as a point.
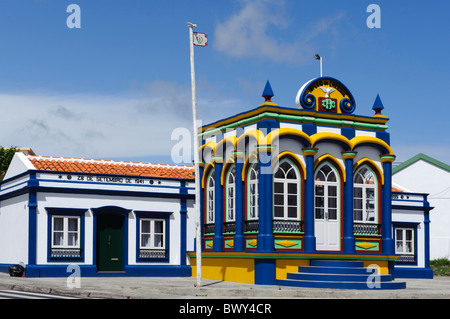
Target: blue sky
(118, 86)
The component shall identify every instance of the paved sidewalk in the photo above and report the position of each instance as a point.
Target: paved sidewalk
(183, 288)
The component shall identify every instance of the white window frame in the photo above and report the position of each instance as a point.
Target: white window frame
(404, 241)
(65, 232)
(152, 233)
(253, 198)
(365, 200)
(285, 182)
(327, 184)
(210, 198)
(231, 200)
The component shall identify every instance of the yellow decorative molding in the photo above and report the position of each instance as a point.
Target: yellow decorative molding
(209, 244)
(252, 242)
(286, 243)
(230, 243)
(366, 245)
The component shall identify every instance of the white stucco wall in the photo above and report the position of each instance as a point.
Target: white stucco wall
(14, 230)
(424, 177)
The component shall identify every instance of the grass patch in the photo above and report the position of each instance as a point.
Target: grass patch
(440, 267)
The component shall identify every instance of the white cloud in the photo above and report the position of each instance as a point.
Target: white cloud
(249, 33)
(136, 124)
(92, 126)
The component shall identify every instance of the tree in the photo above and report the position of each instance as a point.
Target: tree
(6, 155)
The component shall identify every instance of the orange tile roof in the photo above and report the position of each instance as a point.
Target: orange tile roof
(78, 165)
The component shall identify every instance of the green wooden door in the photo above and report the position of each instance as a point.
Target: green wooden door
(109, 242)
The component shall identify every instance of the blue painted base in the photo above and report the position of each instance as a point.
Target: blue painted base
(419, 273)
(91, 271)
(265, 271)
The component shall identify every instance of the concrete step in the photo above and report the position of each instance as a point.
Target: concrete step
(336, 263)
(338, 274)
(336, 277)
(341, 284)
(333, 270)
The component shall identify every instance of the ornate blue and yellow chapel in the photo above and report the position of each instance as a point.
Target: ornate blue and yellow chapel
(309, 186)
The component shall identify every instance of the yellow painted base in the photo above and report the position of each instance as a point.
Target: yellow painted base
(241, 268)
(285, 266)
(383, 265)
(226, 269)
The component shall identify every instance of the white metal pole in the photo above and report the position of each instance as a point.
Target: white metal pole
(196, 159)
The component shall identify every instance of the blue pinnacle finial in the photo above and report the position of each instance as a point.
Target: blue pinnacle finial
(267, 93)
(378, 105)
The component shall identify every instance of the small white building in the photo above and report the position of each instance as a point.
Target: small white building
(107, 217)
(424, 174)
(411, 234)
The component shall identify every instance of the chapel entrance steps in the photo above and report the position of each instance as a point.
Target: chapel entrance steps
(339, 274)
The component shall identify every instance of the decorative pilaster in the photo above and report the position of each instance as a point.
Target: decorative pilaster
(349, 239)
(310, 239)
(239, 239)
(386, 225)
(33, 184)
(218, 205)
(265, 237)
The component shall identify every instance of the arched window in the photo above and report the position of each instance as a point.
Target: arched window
(252, 192)
(364, 195)
(210, 203)
(231, 194)
(286, 190)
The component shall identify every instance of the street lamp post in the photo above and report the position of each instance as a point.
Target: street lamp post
(196, 159)
(318, 57)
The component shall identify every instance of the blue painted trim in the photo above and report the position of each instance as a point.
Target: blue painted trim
(91, 271)
(218, 209)
(32, 219)
(386, 219)
(265, 271)
(59, 190)
(33, 184)
(239, 239)
(310, 239)
(349, 238)
(183, 232)
(309, 129)
(25, 183)
(202, 209)
(348, 132)
(109, 184)
(265, 236)
(80, 212)
(422, 273)
(384, 136)
(426, 222)
(268, 125)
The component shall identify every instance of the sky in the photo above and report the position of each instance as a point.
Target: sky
(118, 86)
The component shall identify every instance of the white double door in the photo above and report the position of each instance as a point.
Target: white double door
(327, 213)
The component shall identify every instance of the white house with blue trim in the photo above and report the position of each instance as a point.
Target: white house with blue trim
(110, 218)
(424, 174)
